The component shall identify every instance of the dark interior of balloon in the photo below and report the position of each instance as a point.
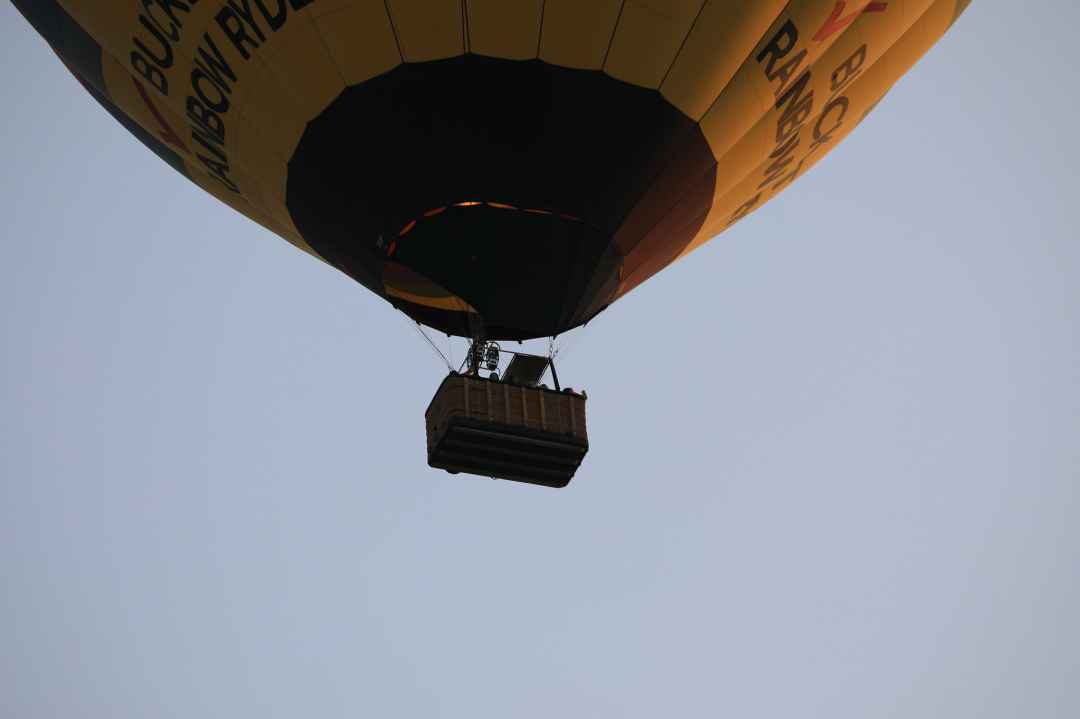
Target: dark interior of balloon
(509, 192)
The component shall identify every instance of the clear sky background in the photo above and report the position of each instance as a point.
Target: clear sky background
(835, 457)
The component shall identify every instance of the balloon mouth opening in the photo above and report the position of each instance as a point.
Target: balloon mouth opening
(411, 224)
(521, 203)
(523, 272)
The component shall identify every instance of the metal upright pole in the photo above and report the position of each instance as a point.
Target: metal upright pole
(476, 324)
(554, 375)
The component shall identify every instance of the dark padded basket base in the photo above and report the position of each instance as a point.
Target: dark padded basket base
(508, 452)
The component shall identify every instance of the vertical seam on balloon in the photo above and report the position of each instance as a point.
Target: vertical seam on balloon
(695, 126)
(611, 40)
(287, 91)
(326, 49)
(682, 44)
(465, 40)
(393, 29)
(741, 64)
(540, 32)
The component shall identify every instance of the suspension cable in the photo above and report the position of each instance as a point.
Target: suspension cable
(420, 330)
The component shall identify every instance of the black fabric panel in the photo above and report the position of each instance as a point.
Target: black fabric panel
(575, 143)
(524, 273)
(81, 52)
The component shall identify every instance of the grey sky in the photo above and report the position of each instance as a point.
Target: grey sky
(844, 483)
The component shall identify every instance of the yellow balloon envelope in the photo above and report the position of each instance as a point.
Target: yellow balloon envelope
(515, 165)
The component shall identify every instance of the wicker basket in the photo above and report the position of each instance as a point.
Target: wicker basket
(496, 429)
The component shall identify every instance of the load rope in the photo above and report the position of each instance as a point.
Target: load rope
(420, 330)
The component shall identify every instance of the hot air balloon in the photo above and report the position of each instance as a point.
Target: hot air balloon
(495, 169)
